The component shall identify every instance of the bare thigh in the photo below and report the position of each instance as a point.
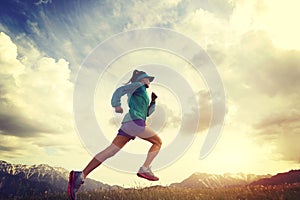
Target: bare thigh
(120, 141)
(149, 135)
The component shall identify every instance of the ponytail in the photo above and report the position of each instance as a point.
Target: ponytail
(134, 76)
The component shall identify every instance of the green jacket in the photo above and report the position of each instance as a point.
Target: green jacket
(138, 101)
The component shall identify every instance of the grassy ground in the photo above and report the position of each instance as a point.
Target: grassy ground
(282, 192)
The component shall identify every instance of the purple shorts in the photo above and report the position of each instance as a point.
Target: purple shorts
(132, 128)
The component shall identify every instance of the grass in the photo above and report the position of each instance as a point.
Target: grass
(280, 192)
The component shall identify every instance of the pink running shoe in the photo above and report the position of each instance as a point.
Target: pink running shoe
(146, 173)
(75, 181)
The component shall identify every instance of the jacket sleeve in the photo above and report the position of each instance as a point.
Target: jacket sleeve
(126, 89)
(151, 108)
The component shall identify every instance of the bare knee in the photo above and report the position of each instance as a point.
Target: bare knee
(158, 141)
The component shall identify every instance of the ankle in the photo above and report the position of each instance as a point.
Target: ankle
(82, 176)
(145, 167)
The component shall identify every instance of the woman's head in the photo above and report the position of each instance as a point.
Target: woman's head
(141, 76)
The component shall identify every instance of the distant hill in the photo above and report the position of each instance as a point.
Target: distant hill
(290, 177)
(16, 186)
(24, 180)
(203, 180)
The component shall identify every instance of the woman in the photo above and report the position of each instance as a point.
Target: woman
(133, 125)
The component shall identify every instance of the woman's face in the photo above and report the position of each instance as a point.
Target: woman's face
(146, 82)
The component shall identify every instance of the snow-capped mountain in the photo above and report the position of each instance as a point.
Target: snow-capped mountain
(37, 173)
(18, 179)
(203, 180)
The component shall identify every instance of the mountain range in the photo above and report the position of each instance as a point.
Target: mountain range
(290, 177)
(204, 180)
(25, 180)
(17, 180)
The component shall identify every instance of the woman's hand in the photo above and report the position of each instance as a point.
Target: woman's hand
(119, 109)
(153, 97)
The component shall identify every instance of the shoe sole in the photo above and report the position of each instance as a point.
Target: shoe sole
(146, 177)
(71, 185)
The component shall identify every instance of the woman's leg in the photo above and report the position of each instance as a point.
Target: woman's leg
(110, 151)
(150, 136)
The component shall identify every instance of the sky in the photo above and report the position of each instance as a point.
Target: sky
(47, 45)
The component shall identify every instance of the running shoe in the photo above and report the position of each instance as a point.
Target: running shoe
(147, 174)
(75, 181)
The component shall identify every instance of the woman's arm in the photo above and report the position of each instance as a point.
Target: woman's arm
(126, 89)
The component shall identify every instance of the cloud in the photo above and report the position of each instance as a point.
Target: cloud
(202, 114)
(16, 124)
(263, 80)
(260, 79)
(282, 129)
(35, 106)
(39, 2)
(279, 120)
(9, 64)
(265, 68)
(149, 14)
(219, 8)
(35, 97)
(271, 17)
(199, 114)
(4, 148)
